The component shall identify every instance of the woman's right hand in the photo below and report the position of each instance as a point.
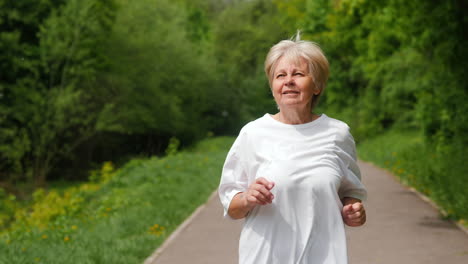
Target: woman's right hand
(258, 192)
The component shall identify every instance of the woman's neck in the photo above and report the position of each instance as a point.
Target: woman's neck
(295, 116)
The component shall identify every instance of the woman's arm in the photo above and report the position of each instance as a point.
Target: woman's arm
(257, 193)
(353, 212)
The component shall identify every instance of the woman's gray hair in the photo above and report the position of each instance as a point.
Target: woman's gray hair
(295, 50)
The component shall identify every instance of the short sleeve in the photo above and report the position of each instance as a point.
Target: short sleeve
(233, 177)
(351, 185)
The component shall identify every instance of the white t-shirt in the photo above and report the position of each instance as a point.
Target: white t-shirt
(313, 166)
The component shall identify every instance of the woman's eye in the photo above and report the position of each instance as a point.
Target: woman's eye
(280, 75)
(299, 74)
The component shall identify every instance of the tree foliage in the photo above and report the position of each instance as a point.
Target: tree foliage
(44, 111)
(93, 80)
(85, 76)
(398, 65)
(243, 35)
(389, 61)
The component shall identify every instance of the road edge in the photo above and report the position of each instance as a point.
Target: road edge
(152, 259)
(421, 196)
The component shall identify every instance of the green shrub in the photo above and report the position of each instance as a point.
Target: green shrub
(442, 177)
(119, 217)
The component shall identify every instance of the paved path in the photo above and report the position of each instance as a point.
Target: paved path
(401, 228)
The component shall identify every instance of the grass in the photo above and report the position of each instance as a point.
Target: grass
(443, 178)
(122, 216)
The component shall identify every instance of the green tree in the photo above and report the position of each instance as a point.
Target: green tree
(243, 35)
(160, 78)
(19, 60)
(51, 108)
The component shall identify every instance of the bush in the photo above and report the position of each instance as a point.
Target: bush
(442, 178)
(120, 217)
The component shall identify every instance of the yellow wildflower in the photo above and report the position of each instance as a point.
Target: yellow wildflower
(156, 230)
(66, 239)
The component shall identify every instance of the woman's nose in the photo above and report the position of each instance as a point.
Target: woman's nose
(289, 80)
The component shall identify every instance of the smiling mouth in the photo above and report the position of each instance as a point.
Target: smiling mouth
(291, 92)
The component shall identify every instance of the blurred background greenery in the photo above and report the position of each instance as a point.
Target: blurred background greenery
(83, 82)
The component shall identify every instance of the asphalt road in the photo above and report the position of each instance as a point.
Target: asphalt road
(401, 228)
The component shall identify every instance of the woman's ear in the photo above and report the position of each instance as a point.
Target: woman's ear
(317, 91)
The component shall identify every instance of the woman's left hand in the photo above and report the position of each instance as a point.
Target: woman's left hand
(353, 212)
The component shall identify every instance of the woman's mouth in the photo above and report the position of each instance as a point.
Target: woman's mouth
(291, 92)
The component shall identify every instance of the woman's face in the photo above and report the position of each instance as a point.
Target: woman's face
(292, 85)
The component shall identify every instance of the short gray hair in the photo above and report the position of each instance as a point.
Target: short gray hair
(295, 50)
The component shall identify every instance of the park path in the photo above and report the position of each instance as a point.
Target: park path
(401, 228)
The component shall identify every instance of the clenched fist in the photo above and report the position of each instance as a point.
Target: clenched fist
(258, 193)
(353, 212)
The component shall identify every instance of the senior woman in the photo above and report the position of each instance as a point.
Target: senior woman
(293, 175)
